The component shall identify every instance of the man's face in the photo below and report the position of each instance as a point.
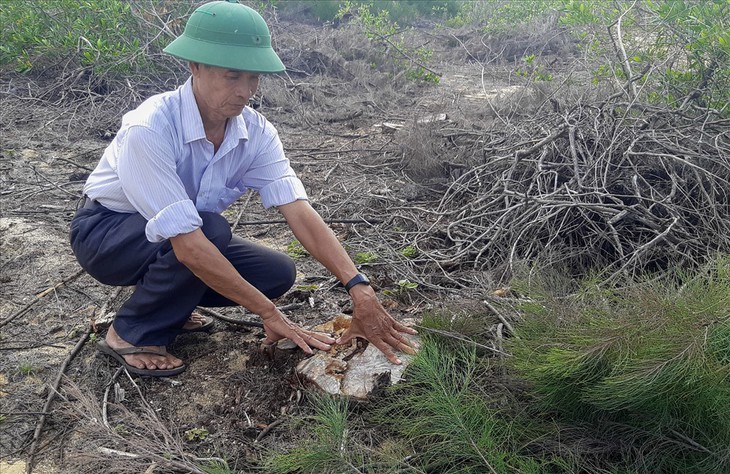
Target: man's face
(223, 92)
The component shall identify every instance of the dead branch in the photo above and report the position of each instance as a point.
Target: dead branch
(268, 429)
(363, 220)
(228, 319)
(501, 317)
(51, 396)
(243, 322)
(622, 187)
(618, 45)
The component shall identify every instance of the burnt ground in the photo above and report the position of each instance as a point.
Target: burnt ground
(329, 110)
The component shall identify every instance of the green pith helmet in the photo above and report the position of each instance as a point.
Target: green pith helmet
(229, 35)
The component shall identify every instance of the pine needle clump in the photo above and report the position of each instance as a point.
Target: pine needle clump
(644, 367)
(447, 418)
(330, 448)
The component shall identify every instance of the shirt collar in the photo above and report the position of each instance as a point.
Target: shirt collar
(236, 128)
(193, 123)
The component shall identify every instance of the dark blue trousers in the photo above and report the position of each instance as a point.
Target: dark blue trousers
(112, 248)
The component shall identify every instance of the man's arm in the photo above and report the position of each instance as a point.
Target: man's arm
(204, 259)
(370, 320)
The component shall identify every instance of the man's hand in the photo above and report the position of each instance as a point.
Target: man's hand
(372, 322)
(278, 326)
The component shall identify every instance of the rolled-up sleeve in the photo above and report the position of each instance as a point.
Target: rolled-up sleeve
(178, 218)
(282, 191)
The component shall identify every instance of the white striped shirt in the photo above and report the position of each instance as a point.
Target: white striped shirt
(161, 165)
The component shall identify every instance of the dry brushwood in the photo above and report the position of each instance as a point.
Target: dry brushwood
(626, 188)
(131, 443)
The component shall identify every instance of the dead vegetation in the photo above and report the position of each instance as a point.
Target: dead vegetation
(627, 188)
(516, 171)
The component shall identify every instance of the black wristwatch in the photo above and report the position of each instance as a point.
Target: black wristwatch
(357, 280)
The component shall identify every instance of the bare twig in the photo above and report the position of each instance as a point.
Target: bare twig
(228, 319)
(51, 396)
(621, 52)
(364, 220)
(268, 429)
(501, 318)
(460, 337)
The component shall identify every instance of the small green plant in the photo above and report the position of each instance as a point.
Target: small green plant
(330, 448)
(216, 467)
(439, 411)
(120, 429)
(3, 418)
(196, 434)
(26, 368)
(365, 257)
(296, 250)
(93, 338)
(307, 287)
(409, 252)
(402, 287)
(533, 71)
(423, 56)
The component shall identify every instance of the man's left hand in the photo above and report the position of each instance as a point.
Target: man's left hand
(372, 322)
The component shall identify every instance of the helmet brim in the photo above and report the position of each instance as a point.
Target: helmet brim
(238, 57)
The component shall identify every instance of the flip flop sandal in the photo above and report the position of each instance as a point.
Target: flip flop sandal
(118, 355)
(205, 327)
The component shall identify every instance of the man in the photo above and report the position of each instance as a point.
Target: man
(150, 216)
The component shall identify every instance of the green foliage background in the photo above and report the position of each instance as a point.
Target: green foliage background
(101, 34)
(646, 363)
(675, 48)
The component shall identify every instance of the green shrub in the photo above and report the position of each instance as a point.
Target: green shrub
(400, 11)
(101, 34)
(695, 37)
(384, 32)
(646, 365)
(111, 38)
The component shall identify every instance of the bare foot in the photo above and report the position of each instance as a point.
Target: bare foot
(195, 321)
(142, 361)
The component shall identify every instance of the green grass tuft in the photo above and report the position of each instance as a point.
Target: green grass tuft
(330, 449)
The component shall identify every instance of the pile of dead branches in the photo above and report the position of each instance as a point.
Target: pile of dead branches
(617, 187)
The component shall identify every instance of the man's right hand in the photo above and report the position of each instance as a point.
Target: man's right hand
(278, 326)
(196, 252)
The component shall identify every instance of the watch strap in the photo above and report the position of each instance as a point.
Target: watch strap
(358, 279)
